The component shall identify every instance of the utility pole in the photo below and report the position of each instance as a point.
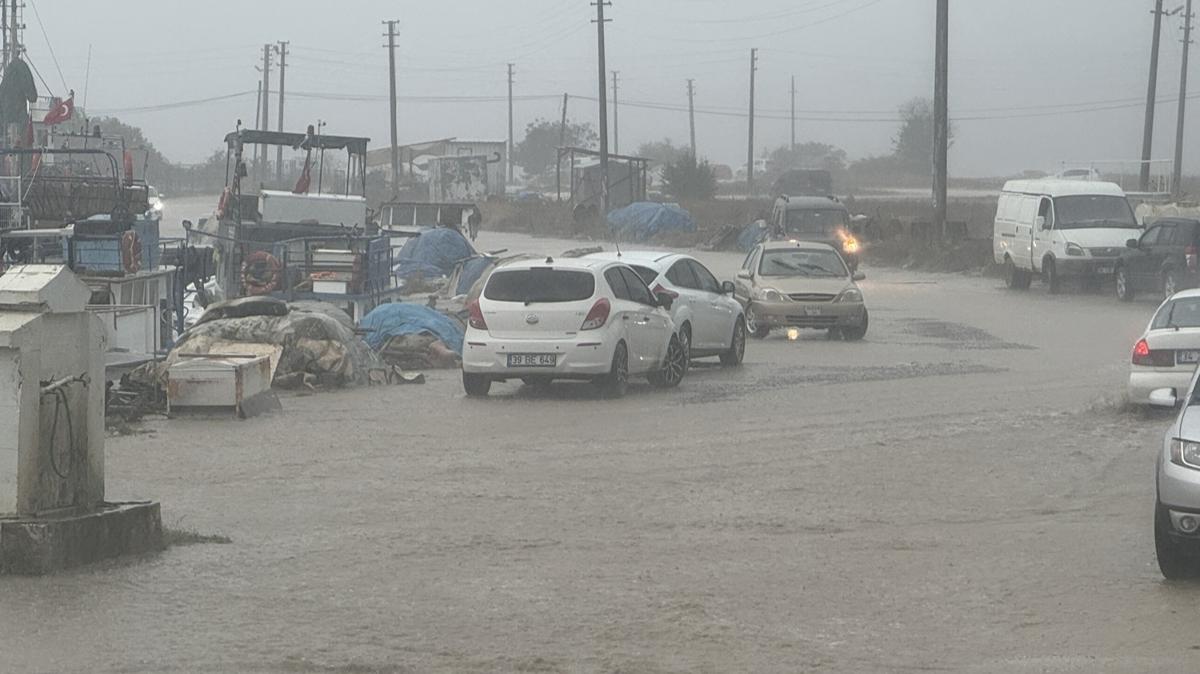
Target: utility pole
(1151, 94)
(600, 21)
(4, 33)
(265, 118)
(510, 123)
(793, 114)
(941, 119)
(1177, 176)
(562, 129)
(692, 114)
(391, 47)
(750, 145)
(616, 118)
(282, 50)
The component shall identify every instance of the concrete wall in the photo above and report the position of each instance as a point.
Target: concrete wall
(10, 405)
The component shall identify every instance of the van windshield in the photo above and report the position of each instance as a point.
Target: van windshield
(1091, 210)
(540, 284)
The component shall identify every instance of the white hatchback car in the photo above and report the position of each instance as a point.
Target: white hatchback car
(595, 320)
(709, 319)
(1166, 354)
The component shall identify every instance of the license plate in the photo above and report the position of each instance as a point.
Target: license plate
(1104, 269)
(1191, 357)
(532, 359)
(812, 312)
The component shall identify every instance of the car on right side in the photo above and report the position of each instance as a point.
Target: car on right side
(1162, 261)
(1166, 354)
(1177, 482)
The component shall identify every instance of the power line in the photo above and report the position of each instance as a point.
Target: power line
(49, 46)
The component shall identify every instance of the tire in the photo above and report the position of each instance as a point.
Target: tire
(1124, 287)
(1014, 278)
(1173, 562)
(1050, 275)
(859, 331)
(752, 326)
(737, 346)
(1170, 283)
(685, 338)
(674, 366)
(616, 382)
(476, 385)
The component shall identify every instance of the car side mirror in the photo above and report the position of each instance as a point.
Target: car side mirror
(1163, 397)
(1131, 243)
(1040, 223)
(664, 300)
(727, 288)
(744, 274)
(859, 276)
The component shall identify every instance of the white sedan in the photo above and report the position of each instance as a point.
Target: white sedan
(710, 320)
(595, 320)
(1166, 354)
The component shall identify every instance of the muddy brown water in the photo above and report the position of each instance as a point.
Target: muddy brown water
(950, 494)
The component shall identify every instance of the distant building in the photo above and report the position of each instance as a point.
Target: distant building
(414, 158)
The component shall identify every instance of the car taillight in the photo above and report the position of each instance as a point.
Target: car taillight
(597, 316)
(659, 289)
(1142, 354)
(1189, 254)
(475, 316)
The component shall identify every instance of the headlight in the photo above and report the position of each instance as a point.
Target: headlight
(1075, 250)
(770, 295)
(850, 295)
(850, 245)
(1185, 453)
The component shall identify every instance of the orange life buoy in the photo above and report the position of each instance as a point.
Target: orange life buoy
(260, 273)
(131, 252)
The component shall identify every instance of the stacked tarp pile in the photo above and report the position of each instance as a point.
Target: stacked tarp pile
(432, 254)
(754, 234)
(645, 220)
(414, 336)
(316, 343)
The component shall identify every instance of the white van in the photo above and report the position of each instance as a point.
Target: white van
(1060, 228)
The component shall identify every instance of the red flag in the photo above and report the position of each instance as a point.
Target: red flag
(305, 177)
(60, 111)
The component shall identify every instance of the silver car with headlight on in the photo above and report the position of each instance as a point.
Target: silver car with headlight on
(1177, 507)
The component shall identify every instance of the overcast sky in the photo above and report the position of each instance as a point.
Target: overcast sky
(1032, 82)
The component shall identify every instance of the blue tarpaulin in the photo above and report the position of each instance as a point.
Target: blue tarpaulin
(644, 220)
(472, 270)
(754, 234)
(433, 253)
(403, 318)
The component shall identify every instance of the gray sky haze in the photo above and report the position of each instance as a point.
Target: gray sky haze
(1032, 82)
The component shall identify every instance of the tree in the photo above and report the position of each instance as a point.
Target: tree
(538, 151)
(913, 144)
(661, 152)
(687, 178)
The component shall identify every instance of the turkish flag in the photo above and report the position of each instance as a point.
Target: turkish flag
(61, 111)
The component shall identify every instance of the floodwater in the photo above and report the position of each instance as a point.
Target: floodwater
(958, 492)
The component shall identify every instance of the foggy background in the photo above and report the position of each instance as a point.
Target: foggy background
(1032, 83)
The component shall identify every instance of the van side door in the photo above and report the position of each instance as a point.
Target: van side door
(1043, 233)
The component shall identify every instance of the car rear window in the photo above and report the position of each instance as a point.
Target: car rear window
(648, 275)
(1181, 313)
(540, 284)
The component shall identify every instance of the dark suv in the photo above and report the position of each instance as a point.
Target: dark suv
(1161, 261)
(821, 219)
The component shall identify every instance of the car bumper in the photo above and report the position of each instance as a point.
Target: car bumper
(1143, 381)
(1179, 488)
(1086, 266)
(574, 359)
(808, 315)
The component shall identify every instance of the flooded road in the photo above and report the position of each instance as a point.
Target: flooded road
(959, 492)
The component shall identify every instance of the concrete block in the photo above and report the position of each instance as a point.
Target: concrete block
(38, 546)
